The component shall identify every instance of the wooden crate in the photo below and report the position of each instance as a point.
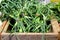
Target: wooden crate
(55, 35)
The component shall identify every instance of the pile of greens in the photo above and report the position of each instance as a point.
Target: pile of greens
(28, 15)
(55, 7)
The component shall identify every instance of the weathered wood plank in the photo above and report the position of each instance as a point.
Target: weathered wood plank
(3, 25)
(29, 36)
(55, 25)
(6, 27)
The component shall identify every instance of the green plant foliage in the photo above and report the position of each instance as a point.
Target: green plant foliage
(29, 15)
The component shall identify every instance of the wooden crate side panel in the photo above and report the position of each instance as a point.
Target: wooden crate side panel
(55, 25)
(6, 27)
(3, 25)
(28, 36)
